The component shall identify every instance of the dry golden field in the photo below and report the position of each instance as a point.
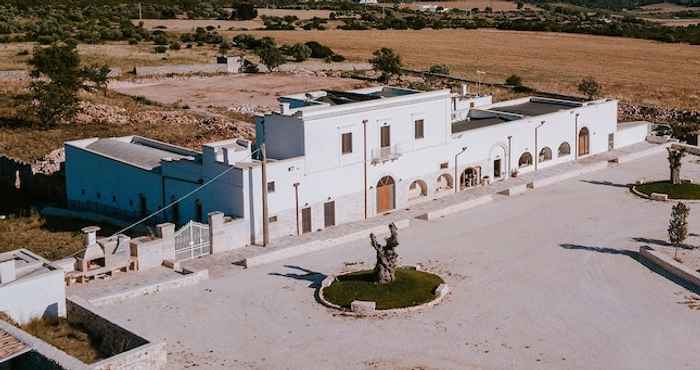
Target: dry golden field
(635, 70)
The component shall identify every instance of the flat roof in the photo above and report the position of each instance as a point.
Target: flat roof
(534, 107)
(474, 123)
(336, 97)
(136, 151)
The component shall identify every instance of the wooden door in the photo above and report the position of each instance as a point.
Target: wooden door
(497, 168)
(306, 220)
(385, 194)
(583, 142)
(329, 214)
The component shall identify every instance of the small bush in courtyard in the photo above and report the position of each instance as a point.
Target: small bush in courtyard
(678, 226)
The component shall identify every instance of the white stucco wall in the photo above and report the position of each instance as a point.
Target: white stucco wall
(34, 296)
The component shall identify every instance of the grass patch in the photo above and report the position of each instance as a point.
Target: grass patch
(680, 191)
(72, 339)
(50, 237)
(411, 288)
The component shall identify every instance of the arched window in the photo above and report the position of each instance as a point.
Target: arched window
(564, 149)
(545, 154)
(525, 160)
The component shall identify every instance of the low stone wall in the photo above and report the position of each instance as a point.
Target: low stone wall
(127, 350)
(317, 245)
(669, 264)
(459, 207)
(515, 190)
(368, 308)
(186, 279)
(180, 69)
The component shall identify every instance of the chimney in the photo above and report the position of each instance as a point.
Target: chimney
(465, 89)
(90, 235)
(284, 108)
(7, 271)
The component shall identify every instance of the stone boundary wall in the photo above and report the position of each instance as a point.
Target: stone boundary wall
(180, 69)
(128, 350)
(669, 264)
(317, 245)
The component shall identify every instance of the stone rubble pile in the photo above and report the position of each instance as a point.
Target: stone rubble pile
(49, 163)
(632, 112)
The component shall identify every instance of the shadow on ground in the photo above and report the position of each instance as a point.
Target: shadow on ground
(606, 183)
(637, 257)
(315, 278)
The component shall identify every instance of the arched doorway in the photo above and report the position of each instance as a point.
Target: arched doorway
(417, 189)
(583, 142)
(444, 183)
(470, 177)
(385, 194)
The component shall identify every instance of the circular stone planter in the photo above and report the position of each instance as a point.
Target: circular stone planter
(659, 191)
(369, 308)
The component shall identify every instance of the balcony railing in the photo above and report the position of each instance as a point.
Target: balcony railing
(387, 153)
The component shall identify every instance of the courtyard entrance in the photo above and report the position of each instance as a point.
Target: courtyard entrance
(385, 194)
(470, 177)
(191, 241)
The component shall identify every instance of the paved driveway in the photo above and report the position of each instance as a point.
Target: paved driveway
(545, 280)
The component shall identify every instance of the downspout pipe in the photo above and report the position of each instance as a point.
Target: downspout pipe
(537, 154)
(364, 162)
(456, 182)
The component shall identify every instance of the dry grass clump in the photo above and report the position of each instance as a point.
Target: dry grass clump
(50, 237)
(69, 337)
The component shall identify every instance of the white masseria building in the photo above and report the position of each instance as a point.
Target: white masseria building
(341, 156)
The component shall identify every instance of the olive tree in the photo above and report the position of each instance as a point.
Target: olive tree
(387, 258)
(674, 163)
(386, 61)
(590, 87)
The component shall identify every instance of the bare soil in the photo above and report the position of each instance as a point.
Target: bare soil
(246, 93)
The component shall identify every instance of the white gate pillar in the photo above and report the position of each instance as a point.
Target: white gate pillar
(166, 232)
(217, 235)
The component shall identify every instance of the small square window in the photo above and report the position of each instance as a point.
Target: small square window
(131, 202)
(444, 165)
(99, 195)
(273, 219)
(82, 192)
(114, 198)
(271, 187)
(346, 143)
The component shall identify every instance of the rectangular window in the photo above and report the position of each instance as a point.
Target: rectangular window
(419, 128)
(346, 142)
(273, 219)
(444, 165)
(271, 187)
(385, 134)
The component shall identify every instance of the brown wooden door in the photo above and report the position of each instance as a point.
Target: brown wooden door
(385, 194)
(583, 142)
(329, 214)
(385, 136)
(306, 220)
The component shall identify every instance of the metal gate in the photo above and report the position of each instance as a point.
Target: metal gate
(192, 240)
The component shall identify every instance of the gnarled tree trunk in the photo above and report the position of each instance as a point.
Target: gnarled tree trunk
(674, 163)
(387, 258)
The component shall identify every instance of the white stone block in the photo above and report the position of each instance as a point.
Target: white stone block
(658, 196)
(363, 307)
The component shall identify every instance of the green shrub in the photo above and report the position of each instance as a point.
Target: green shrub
(160, 49)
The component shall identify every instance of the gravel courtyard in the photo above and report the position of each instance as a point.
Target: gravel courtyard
(545, 280)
